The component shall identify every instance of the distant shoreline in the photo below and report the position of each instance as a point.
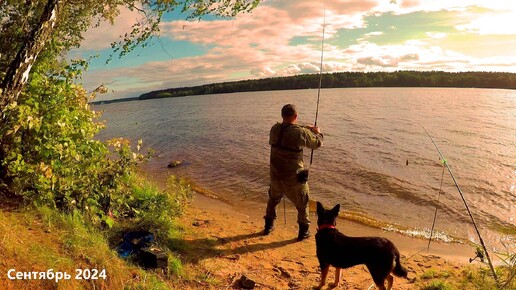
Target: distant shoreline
(400, 79)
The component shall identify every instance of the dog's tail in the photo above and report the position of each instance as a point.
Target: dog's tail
(399, 270)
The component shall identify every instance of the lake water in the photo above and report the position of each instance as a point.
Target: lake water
(371, 134)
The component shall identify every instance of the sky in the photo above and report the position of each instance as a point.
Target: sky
(283, 38)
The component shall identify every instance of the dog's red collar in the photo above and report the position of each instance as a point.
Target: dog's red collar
(322, 227)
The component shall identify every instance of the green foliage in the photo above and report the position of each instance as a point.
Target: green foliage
(175, 265)
(507, 271)
(19, 18)
(482, 278)
(48, 154)
(47, 151)
(437, 280)
(437, 285)
(86, 245)
(180, 192)
(430, 274)
(51, 157)
(148, 208)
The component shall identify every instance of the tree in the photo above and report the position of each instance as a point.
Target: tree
(18, 71)
(63, 22)
(47, 150)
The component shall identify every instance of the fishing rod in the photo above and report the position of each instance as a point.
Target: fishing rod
(445, 164)
(320, 77)
(318, 99)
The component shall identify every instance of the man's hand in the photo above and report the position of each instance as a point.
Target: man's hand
(314, 129)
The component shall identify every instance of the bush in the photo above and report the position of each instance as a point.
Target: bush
(49, 156)
(150, 209)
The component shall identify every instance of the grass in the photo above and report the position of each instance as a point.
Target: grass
(437, 285)
(430, 274)
(482, 279)
(36, 239)
(41, 239)
(470, 277)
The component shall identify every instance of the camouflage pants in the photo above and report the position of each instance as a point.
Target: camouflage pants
(298, 193)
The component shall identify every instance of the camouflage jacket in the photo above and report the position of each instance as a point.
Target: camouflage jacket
(287, 154)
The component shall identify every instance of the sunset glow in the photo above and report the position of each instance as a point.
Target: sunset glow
(283, 37)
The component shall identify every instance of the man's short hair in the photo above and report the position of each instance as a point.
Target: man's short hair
(289, 110)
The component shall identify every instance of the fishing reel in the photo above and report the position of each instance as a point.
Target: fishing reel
(478, 254)
(302, 176)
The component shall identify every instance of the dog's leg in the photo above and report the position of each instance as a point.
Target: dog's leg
(378, 280)
(324, 274)
(381, 286)
(337, 278)
(389, 281)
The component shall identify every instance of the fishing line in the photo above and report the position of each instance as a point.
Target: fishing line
(436, 206)
(163, 48)
(445, 163)
(413, 255)
(284, 211)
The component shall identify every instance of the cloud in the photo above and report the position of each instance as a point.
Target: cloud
(275, 22)
(370, 35)
(436, 35)
(409, 3)
(301, 68)
(212, 67)
(258, 42)
(263, 72)
(384, 61)
(408, 6)
(101, 37)
(261, 40)
(416, 56)
(283, 37)
(493, 23)
(301, 10)
(408, 57)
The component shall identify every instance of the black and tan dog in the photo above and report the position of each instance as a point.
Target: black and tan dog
(340, 251)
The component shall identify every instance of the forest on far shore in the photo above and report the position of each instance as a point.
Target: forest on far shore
(349, 80)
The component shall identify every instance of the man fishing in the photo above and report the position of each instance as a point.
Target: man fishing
(287, 174)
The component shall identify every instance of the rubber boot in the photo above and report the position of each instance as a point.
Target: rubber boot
(269, 226)
(304, 232)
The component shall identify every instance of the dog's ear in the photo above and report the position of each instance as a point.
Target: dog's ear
(335, 210)
(320, 209)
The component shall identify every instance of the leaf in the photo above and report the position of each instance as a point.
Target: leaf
(109, 222)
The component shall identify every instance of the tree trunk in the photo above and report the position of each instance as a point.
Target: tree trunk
(18, 72)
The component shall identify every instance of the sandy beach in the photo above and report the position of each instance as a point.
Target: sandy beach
(229, 245)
